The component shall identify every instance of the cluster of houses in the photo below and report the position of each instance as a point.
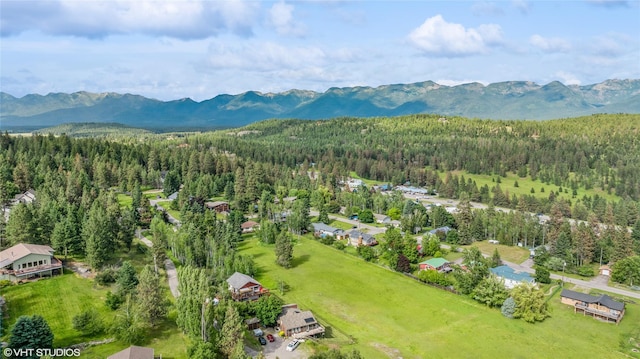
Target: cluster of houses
(293, 322)
(353, 237)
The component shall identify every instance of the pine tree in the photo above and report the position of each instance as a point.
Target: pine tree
(231, 332)
(284, 249)
(98, 236)
(31, 333)
(150, 297)
(127, 279)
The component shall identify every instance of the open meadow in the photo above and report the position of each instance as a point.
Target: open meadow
(383, 313)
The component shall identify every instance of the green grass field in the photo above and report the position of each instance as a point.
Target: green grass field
(60, 298)
(167, 206)
(512, 254)
(124, 200)
(525, 185)
(391, 315)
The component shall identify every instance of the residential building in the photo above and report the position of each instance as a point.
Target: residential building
(600, 307)
(243, 287)
(249, 226)
(444, 230)
(357, 238)
(218, 206)
(134, 352)
(24, 261)
(297, 323)
(511, 277)
(438, 264)
(604, 270)
(323, 230)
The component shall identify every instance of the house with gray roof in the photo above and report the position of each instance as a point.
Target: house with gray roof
(600, 307)
(299, 324)
(357, 238)
(244, 287)
(511, 277)
(322, 230)
(134, 352)
(24, 261)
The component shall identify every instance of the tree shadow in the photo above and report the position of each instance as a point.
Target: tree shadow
(296, 261)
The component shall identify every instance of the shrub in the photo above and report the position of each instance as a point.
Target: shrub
(88, 323)
(113, 301)
(328, 240)
(434, 277)
(508, 307)
(5, 283)
(339, 245)
(586, 272)
(107, 276)
(367, 253)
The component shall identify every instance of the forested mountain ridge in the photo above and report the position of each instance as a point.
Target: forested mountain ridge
(504, 100)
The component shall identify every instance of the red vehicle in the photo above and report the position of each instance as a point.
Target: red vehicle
(270, 338)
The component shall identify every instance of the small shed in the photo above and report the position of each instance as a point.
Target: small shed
(253, 323)
(605, 270)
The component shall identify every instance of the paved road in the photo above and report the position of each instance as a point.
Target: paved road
(598, 282)
(373, 230)
(172, 220)
(169, 267)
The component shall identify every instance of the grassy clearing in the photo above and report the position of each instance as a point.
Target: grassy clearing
(388, 314)
(60, 298)
(167, 206)
(57, 300)
(341, 225)
(508, 253)
(124, 200)
(525, 185)
(368, 182)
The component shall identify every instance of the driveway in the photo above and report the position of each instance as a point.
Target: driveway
(277, 349)
(169, 267)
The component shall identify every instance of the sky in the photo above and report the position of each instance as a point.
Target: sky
(202, 48)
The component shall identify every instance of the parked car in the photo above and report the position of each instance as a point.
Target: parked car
(262, 341)
(293, 345)
(258, 332)
(270, 338)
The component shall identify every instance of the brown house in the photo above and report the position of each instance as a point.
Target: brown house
(243, 287)
(218, 206)
(249, 226)
(299, 324)
(601, 307)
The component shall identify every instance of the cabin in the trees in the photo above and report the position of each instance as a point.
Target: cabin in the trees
(444, 230)
(24, 261)
(600, 307)
(134, 352)
(299, 324)
(243, 287)
(604, 270)
(357, 238)
(511, 277)
(25, 198)
(249, 226)
(218, 206)
(323, 230)
(437, 264)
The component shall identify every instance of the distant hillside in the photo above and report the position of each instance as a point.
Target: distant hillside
(504, 100)
(93, 130)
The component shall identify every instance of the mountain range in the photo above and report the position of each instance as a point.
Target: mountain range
(504, 100)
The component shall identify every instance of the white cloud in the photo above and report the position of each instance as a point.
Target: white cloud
(567, 78)
(440, 38)
(98, 19)
(550, 44)
(282, 20)
(612, 45)
(263, 56)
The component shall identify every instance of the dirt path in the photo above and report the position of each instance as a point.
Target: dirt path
(169, 267)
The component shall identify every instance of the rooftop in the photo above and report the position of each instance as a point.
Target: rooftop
(507, 272)
(435, 262)
(21, 250)
(602, 299)
(239, 280)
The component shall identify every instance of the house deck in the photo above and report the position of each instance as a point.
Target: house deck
(55, 264)
(586, 310)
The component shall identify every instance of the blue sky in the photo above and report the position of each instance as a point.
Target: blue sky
(199, 49)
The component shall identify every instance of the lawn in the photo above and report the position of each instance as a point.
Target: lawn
(57, 300)
(525, 185)
(124, 200)
(388, 314)
(73, 295)
(512, 254)
(167, 206)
